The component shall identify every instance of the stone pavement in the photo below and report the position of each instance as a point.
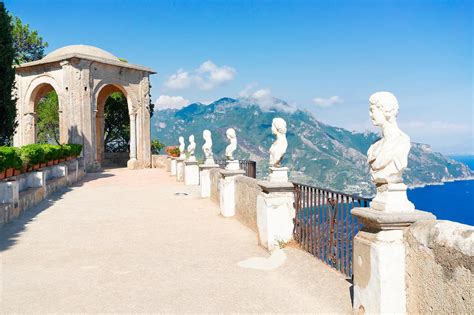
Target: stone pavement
(122, 241)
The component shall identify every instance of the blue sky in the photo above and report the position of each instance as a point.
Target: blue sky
(324, 56)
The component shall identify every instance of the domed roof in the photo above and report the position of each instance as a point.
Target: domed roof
(81, 49)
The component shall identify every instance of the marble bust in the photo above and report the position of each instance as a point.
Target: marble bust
(388, 157)
(279, 146)
(232, 137)
(191, 148)
(207, 147)
(181, 147)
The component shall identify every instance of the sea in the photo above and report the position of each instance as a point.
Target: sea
(452, 201)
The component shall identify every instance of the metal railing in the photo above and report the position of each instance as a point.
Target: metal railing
(250, 167)
(324, 225)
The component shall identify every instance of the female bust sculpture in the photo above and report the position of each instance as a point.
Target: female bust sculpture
(191, 148)
(388, 157)
(278, 148)
(207, 146)
(181, 147)
(232, 137)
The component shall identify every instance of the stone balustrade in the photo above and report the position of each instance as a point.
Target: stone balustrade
(19, 193)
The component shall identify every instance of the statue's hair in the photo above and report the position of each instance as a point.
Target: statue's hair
(280, 125)
(181, 138)
(386, 102)
(230, 132)
(191, 137)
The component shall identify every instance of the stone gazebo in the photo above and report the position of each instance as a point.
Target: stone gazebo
(83, 78)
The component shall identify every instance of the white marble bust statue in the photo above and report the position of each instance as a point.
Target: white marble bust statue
(279, 146)
(191, 148)
(388, 157)
(181, 147)
(207, 146)
(232, 137)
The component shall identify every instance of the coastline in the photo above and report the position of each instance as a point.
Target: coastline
(450, 180)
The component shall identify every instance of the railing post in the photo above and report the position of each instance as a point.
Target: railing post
(180, 169)
(227, 191)
(191, 173)
(205, 179)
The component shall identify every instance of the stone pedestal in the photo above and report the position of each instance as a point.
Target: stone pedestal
(275, 213)
(191, 173)
(379, 260)
(180, 169)
(210, 162)
(232, 165)
(168, 163)
(227, 191)
(278, 175)
(174, 161)
(9, 193)
(392, 198)
(59, 170)
(133, 164)
(205, 179)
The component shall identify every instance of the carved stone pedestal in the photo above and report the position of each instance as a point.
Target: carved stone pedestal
(168, 163)
(278, 175)
(227, 191)
(275, 213)
(232, 165)
(133, 164)
(180, 169)
(379, 260)
(191, 173)
(205, 179)
(174, 162)
(392, 198)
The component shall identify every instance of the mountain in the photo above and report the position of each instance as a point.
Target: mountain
(318, 154)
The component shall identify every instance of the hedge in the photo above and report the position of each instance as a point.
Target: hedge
(33, 154)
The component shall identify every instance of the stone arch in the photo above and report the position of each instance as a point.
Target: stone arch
(38, 88)
(101, 92)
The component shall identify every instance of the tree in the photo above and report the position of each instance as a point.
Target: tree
(48, 118)
(28, 45)
(116, 123)
(7, 79)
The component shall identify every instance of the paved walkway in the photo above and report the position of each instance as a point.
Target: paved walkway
(122, 241)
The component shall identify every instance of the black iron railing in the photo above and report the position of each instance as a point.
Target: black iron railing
(324, 225)
(250, 167)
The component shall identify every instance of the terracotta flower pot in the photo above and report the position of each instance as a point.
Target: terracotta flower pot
(61, 160)
(42, 165)
(9, 172)
(50, 163)
(2, 174)
(56, 162)
(29, 168)
(16, 172)
(36, 167)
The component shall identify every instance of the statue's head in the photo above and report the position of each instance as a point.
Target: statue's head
(230, 133)
(206, 134)
(181, 139)
(191, 138)
(278, 126)
(383, 107)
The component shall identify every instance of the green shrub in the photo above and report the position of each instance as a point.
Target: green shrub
(67, 150)
(32, 154)
(75, 149)
(9, 158)
(156, 146)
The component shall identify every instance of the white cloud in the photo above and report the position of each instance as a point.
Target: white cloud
(207, 77)
(327, 102)
(174, 102)
(435, 127)
(265, 99)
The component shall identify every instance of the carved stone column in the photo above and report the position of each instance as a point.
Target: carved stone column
(133, 163)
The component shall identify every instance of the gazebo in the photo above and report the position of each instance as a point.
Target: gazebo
(83, 78)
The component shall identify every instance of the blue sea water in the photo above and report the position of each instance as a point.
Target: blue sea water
(452, 201)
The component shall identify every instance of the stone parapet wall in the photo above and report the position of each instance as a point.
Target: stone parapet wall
(159, 161)
(215, 189)
(439, 267)
(246, 192)
(27, 190)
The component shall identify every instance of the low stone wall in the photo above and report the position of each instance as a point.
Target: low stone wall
(159, 161)
(440, 266)
(22, 192)
(246, 192)
(215, 178)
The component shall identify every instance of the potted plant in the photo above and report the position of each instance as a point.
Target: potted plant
(31, 156)
(173, 151)
(11, 160)
(2, 167)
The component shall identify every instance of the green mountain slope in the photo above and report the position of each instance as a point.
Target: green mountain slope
(318, 154)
